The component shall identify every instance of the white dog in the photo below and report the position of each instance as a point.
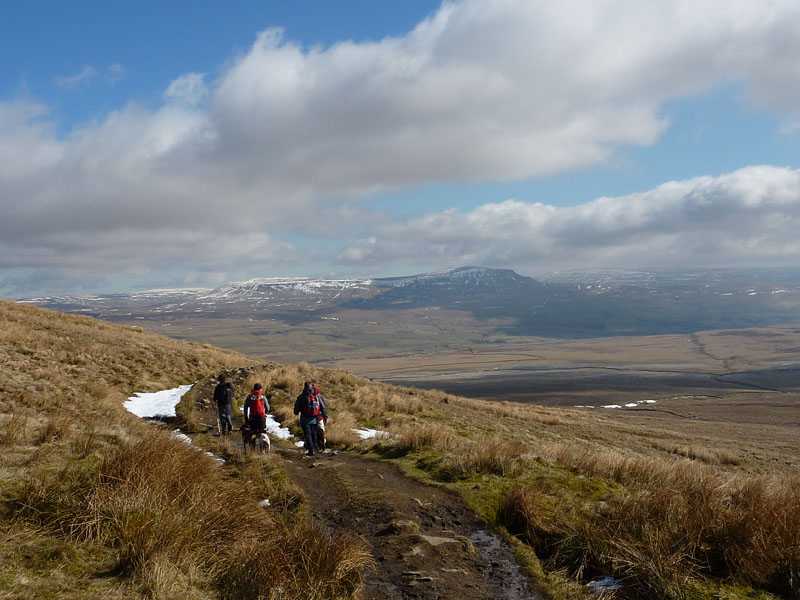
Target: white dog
(255, 441)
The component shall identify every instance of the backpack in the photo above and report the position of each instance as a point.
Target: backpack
(311, 409)
(258, 407)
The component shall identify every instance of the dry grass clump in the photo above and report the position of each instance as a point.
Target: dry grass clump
(294, 563)
(339, 431)
(671, 522)
(433, 435)
(710, 456)
(458, 458)
(492, 455)
(57, 426)
(13, 427)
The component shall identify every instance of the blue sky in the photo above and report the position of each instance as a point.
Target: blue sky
(178, 144)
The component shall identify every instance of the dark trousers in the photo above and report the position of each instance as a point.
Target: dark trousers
(225, 424)
(257, 424)
(310, 433)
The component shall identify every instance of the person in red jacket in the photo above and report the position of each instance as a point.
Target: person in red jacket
(256, 408)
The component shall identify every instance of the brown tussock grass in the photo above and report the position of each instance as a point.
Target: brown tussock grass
(13, 427)
(168, 508)
(432, 435)
(491, 455)
(709, 456)
(99, 477)
(672, 521)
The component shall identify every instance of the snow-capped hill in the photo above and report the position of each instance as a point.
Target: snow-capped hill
(459, 276)
(294, 285)
(295, 296)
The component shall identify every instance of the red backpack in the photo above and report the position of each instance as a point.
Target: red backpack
(257, 408)
(312, 409)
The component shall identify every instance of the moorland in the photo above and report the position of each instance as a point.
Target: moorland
(693, 496)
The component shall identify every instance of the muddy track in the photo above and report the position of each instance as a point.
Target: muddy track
(426, 542)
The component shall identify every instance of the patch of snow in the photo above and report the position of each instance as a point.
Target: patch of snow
(611, 406)
(178, 434)
(300, 444)
(274, 428)
(366, 434)
(156, 404)
(264, 502)
(631, 405)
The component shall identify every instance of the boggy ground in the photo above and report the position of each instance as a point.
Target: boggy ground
(426, 542)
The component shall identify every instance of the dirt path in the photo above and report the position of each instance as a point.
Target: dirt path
(426, 542)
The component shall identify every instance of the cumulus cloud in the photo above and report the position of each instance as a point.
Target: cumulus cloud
(748, 217)
(480, 91)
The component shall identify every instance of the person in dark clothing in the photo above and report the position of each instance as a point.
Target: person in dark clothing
(223, 396)
(256, 408)
(311, 407)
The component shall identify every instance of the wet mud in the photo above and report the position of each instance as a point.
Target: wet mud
(427, 544)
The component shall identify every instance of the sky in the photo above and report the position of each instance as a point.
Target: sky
(192, 143)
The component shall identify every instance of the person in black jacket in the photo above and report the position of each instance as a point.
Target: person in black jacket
(311, 407)
(223, 396)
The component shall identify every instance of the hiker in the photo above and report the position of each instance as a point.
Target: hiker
(255, 410)
(223, 396)
(311, 407)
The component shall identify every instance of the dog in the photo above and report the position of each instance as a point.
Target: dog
(322, 439)
(255, 441)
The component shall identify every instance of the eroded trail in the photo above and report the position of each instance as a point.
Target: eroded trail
(426, 542)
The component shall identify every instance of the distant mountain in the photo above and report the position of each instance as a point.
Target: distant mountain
(295, 295)
(573, 304)
(451, 287)
(459, 277)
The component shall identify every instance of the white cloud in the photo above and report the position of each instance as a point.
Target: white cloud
(188, 89)
(112, 75)
(480, 91)
(87, 74)
(748, 217)
(498, 90)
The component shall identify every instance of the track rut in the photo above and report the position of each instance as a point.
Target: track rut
(427, 544)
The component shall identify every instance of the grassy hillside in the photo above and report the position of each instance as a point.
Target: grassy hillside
(94, 502)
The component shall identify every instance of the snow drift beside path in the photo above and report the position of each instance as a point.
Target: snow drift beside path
(156, 404)
(368, 434)
(178, 434)
(149, 405)
(274, 428)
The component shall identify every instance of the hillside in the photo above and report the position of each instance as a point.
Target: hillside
(97, 503)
